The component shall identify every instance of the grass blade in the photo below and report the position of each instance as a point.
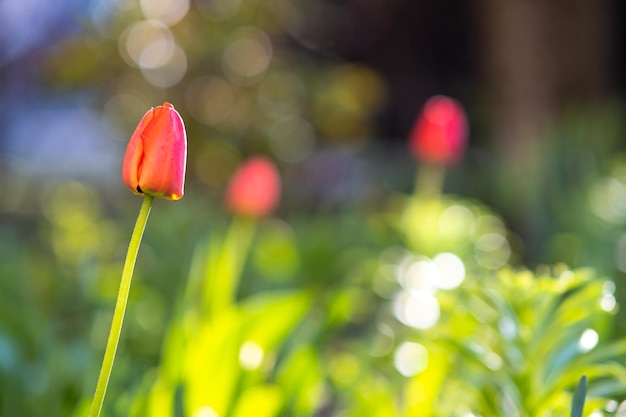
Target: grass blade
(578, 402)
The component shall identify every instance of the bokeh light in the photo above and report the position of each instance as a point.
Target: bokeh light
(607, 198)
(451, 270)
(170, 73)
(421, 275)
(251, 355)
(150, 46)
(418, 309)
(247, 56)
(588, 340)
(205, 411)
(456, 222)
(410, 358)
(168, 12)
(492, 250)
(147, 44)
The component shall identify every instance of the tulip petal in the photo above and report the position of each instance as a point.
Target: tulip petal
(439, 135)
(155, 160)
(254, 189)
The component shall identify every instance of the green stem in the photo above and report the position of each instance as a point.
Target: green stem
(120, 307)
(429, 180)
(224, 271)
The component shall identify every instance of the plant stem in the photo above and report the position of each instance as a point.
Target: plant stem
(120, 307)
(429, 180)
(225, 272)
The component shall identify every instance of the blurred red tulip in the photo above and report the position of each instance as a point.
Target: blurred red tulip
(156, 155)
(439, 135)
(254, 189)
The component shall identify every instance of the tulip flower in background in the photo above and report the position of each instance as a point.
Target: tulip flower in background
(154, 166)
(156, 155)
(439, 134)
(438, 139)
(254, 189)
(252, 194)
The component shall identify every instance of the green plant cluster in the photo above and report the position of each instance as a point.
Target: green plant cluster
(418, 309)
(332, 315)
(504, 341)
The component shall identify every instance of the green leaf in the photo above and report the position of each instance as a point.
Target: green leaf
(259, 401)
(578, 402)
(269, 318)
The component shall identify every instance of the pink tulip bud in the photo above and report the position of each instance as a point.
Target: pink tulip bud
(254, 189)
(156, 155)
(439, 135)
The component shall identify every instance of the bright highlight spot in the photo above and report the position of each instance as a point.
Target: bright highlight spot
(410, 358)
(588, 340)
(446, 271)
(205, 411)
(451, 271)
(250, 355)
(421, 276)
(608, 303)
(418, 309)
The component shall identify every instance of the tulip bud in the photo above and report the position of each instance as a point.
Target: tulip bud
(440, 133)
(254, 189)
(156, 155)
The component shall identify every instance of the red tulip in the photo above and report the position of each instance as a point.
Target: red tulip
(156, 155)
(254, 189)
(440, 133)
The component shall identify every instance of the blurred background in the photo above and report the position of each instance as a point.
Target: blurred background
(328, 90)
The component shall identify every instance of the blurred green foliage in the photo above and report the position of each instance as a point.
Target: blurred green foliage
(343, 305)
(418, 308)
